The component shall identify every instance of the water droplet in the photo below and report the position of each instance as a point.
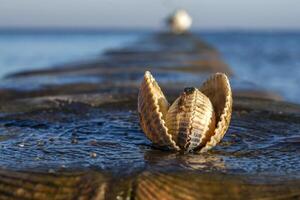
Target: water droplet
(21, 145)
(93, 155)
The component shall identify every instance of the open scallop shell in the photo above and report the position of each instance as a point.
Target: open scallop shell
(152, 108)
(218, 90)
(197, 120)
(191, 120)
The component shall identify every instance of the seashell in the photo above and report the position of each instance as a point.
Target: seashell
(191, 119)
(218, 90)
(196, 121)
(152, 108)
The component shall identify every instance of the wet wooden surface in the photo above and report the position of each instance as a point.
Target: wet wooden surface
(72, 132)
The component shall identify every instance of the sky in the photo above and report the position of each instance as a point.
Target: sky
(149, 14)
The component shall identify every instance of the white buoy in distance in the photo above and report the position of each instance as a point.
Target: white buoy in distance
(179, 22)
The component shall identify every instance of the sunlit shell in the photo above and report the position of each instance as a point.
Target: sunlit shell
(218, 90)
(152, 108)
(191, 120)
(196, 121)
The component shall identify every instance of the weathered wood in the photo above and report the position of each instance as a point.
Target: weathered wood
(30, 185)
(83, 116)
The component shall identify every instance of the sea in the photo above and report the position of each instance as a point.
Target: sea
(270, 59)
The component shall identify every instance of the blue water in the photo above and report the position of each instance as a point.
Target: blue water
(269, 59)
(35, 50)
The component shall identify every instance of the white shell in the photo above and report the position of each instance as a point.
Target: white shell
(152, 108)
(218, 90)
(196, 121)
(191, 120)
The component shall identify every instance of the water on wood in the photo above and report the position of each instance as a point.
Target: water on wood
(72, 131)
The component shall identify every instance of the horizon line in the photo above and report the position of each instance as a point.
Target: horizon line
(139, 29)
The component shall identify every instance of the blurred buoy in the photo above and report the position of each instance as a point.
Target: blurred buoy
(179, 22)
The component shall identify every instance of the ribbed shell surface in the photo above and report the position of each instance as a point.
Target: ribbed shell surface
(218, 90)
(152, 108)
(191, 120)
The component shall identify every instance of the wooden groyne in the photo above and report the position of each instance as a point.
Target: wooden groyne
(72, 132)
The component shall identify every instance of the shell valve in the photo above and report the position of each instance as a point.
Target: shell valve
(196, 121)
